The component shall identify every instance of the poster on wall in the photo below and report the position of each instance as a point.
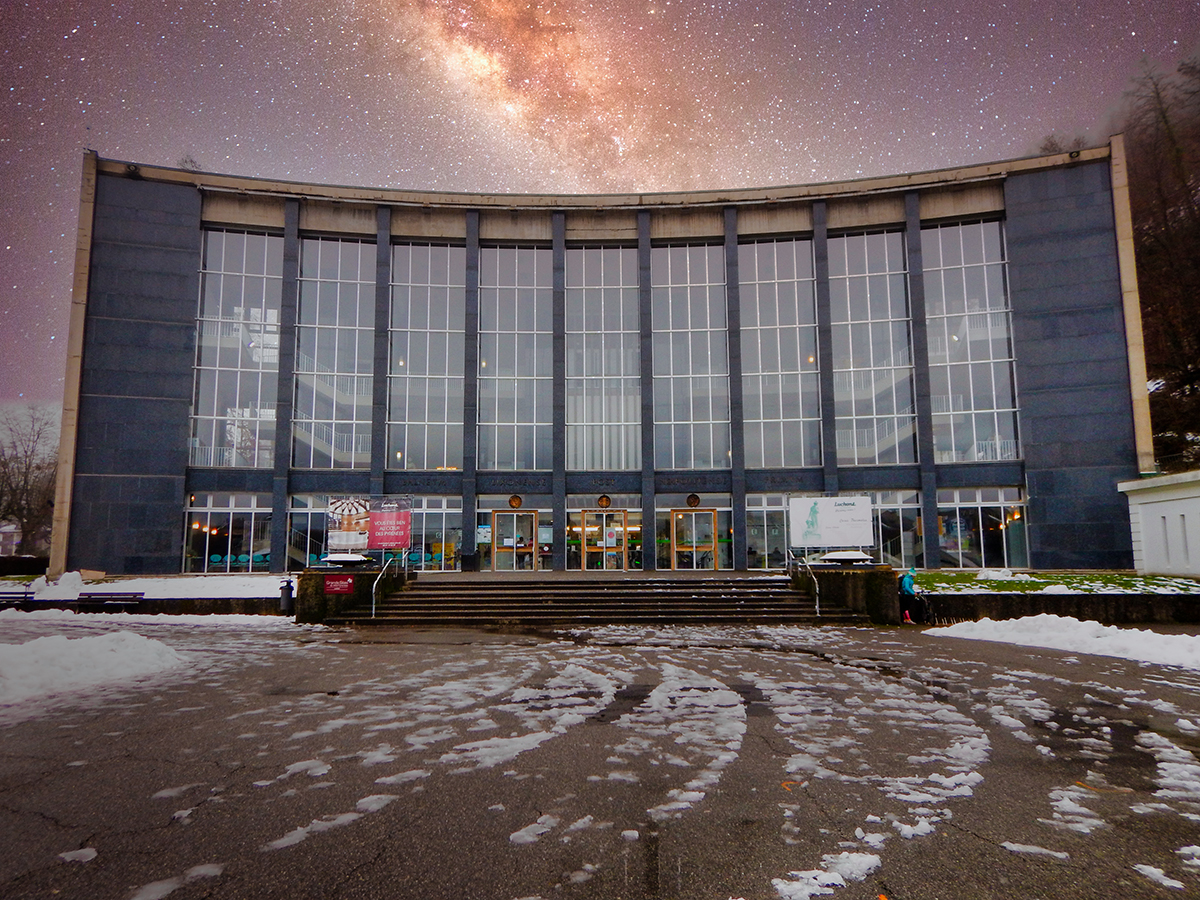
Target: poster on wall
(830, 522)
(358, 523)
(391, 523)
(349, 525)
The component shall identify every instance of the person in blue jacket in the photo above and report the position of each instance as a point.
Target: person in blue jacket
(910, 601)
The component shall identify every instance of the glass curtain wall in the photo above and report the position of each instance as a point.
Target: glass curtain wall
(237, 350)
(872, 357)
(604, 393)
(308, 523)
(766, 531)
(516, 346)
(971, 376)
(691, 358)
(436, 534)
(897, 520)
(983, 528)
(425, 377)
(781, 387)
(228, 533)
(335, 353)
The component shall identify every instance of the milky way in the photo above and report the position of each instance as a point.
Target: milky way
(555, 97)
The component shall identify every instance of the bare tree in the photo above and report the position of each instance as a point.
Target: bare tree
(28, 463)
(1162, 134)
(1052, 143)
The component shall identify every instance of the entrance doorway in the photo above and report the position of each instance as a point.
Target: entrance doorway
(605, 540)
(514, 541)
(693, 538)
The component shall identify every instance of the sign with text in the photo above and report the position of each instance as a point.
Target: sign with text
(830, 522)
(375, 523)
(339, 584)
(391, 524)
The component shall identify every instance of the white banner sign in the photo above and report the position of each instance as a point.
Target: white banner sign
(830, 522)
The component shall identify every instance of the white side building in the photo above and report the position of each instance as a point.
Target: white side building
(1164, 515)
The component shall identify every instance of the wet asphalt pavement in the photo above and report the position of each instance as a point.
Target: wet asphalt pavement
(615, 763)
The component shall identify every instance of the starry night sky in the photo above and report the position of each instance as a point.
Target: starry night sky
(549, 97)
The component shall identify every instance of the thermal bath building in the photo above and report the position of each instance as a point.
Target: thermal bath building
(629, 382)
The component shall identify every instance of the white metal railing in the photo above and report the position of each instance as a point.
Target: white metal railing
(324, 433)
(982, 451)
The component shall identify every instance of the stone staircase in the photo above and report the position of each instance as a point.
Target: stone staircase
(561, 599)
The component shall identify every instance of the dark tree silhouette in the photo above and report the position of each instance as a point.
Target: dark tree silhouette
(1052, 143)
(1162, 138)
(28, 463)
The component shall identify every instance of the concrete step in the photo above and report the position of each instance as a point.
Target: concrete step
(628, 599)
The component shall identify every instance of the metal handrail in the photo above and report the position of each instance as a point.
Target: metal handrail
(803, 560)
(379, 577)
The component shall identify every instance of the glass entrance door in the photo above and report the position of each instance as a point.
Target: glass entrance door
(605, 540)
(514, 541)
(694, 538)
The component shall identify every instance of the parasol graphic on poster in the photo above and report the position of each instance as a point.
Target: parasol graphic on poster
(830, 522)
(349, 524)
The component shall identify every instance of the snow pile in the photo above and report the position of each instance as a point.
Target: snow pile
(165, 587)
(1002, 575)
(217, 620)
(1074, 636)
(51, 665)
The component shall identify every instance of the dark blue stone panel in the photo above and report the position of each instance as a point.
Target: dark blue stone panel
(775, 481)
(437, 483)
(234, 481)
(136, 388)
(1072, 370)
(880, 478)
(330, 481)
(109, 533)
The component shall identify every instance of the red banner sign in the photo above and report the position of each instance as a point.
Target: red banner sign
(390, 529)
(339, 584)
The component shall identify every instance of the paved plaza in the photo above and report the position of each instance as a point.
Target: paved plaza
(697, 763)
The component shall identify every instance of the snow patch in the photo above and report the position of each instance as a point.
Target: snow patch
(55, 664)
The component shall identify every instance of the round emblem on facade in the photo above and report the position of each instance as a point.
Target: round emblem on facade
(693, 500)
(604, 501)
(514, 501)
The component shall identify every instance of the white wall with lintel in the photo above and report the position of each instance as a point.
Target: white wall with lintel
(1164, 515)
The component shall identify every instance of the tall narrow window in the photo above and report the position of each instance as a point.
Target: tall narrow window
(691, 358)
(237, 350)
(872, 358)
(972, 383)
(516, 349)
(780, 384)
(425, 378)
(335, 353)
(604, 395)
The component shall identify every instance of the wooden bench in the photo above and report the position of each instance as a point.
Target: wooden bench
(109, 601)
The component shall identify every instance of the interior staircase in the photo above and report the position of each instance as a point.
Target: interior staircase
(560, 599)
